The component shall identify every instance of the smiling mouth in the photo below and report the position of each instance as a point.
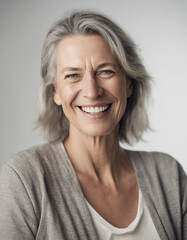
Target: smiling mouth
(95, 110)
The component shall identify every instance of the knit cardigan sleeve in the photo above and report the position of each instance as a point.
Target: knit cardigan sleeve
(184, 201)
(17, 217)
(185, 226)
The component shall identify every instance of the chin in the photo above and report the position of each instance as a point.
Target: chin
(99, 132)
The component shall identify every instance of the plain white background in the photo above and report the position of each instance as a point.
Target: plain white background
(158, 28)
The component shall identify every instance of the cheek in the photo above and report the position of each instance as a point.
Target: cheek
(118, 89)
(68, 93)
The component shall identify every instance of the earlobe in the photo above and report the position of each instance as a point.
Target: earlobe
(129, 87)
(56, 97)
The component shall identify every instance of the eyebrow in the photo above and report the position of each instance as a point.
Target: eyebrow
(106, 64)
(70, 69)
(98, 67)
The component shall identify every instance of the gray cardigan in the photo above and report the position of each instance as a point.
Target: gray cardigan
(40, 196)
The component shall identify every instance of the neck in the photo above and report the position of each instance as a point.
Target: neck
(99, 157)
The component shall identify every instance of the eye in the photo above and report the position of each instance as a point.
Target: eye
(105, 74)
(72, 77)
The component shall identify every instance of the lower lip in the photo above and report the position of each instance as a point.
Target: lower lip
(96, 115)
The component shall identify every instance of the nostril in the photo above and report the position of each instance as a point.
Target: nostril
(100, 91)
(92, 90)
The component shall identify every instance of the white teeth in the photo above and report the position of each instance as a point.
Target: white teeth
(94, 110)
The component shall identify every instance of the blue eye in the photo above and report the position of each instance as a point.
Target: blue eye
(105, 74)
(74, 75)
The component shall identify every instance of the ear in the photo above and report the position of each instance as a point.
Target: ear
(129, 87)
(56, 97)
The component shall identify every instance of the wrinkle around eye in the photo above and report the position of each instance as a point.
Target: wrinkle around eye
(73, 77)
(105, 74)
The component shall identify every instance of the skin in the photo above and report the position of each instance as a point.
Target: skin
(88, 74)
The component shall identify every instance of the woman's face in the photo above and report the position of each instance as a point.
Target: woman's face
(90, 85)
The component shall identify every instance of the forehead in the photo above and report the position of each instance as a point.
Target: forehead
(84, 47)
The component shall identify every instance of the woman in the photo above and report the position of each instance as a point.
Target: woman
(82, 184)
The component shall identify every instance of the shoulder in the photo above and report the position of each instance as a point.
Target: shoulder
(155, 161)
(35, 172)
(160, 170)
(34, 154)
(35, 162)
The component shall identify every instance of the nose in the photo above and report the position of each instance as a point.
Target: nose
(91, 87)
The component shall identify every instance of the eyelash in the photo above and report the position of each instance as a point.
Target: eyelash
(110, 71)
(71, 75)
(107, 73)
(102, 74)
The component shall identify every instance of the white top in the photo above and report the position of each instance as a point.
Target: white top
(142, 227)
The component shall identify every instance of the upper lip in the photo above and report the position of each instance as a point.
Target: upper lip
(95, 105)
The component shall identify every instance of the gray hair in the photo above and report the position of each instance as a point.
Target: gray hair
(51, 117)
